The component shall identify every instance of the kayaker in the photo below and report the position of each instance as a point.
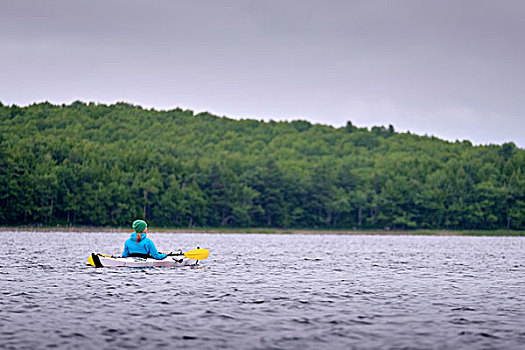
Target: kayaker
(139, 245)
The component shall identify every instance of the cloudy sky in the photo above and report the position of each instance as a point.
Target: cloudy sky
(453, 69)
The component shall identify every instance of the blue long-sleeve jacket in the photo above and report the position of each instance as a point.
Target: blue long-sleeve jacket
(145, 246)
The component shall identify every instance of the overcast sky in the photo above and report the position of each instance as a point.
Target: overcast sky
(452, 69)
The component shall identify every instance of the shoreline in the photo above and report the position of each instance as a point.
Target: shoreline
(342, 232)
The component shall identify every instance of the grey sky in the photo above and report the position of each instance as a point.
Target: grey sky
(453, 69)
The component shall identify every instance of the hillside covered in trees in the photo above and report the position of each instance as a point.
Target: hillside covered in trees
(94, 164)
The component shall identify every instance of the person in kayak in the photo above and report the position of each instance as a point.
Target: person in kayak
(139, 245)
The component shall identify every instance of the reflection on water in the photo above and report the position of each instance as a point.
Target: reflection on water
(265, 292)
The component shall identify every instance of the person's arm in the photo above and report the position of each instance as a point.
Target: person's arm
(152, 250)
(125, 253)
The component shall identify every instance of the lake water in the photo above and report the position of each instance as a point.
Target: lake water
(265, 292)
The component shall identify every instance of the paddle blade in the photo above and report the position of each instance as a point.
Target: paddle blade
(94, 260)
(197, 254)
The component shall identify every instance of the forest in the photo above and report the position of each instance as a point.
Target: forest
(106, 165)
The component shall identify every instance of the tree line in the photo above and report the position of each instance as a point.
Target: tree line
(106, 165)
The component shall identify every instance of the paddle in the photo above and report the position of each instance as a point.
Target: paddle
(94, 261)
(197, 254)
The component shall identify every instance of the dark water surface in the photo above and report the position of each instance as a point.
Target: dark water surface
(265, 292)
